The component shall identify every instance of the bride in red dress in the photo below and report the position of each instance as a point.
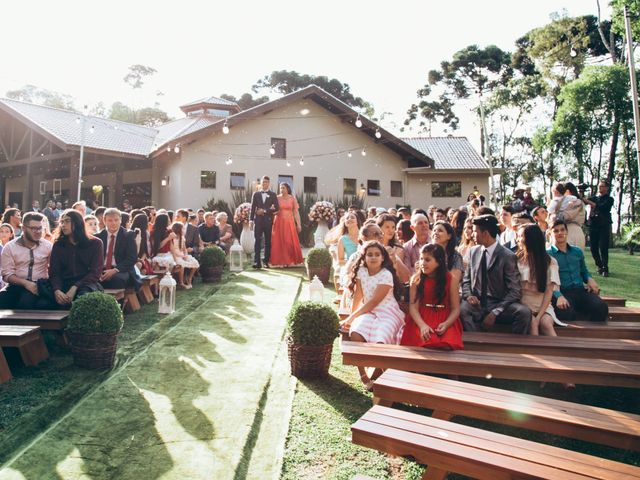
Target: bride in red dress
(285, 246)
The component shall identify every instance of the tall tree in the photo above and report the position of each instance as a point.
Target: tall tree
(246, 100)
(137, 75)
(42, 96)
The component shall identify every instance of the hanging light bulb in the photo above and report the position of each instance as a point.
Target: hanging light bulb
(77, 119)
(177, 148)
(168, 148)
(302, 161)
(229, 160)
(92, 129)
(358, 121)
(288, 163)
(378, 134)
(349, 155)
(272, 150)
(225, 128)
(363, 152)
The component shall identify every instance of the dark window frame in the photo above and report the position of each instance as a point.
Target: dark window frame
(394, 185)
(204, 178)
(315, 185)
(447, 189)
(244, 180)
(372, 191)
(347, 191)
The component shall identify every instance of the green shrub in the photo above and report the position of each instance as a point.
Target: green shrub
(319, 258)
(631, 236)
(95, 312)
(212, 256)
(312, 323)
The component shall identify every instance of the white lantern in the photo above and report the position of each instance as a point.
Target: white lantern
(236, 257)
(167, 297)
(316, 290)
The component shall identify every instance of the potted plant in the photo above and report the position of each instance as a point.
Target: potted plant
(212, 260)
(95, 320)
(318, 263)
(312, 328)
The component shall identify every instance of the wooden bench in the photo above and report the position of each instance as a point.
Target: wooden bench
(614, 301)
(450, 447)
(585, 329)
(29, 342)
(449, 398)
(131, 303)
(117, 293)
(514, 366)
(49, 320)
(624, 314)
(149, 285)
(5, 373)
(612, 349)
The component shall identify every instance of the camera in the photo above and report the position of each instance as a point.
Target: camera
(582, 187)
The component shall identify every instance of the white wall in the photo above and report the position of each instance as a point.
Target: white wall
(419, 188)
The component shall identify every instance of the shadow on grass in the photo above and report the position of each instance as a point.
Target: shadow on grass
(344, 398)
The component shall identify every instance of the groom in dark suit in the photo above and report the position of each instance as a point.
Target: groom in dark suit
(264, 204)
(491, 289)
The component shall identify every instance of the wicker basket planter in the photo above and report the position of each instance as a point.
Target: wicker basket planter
(212, 262)
(309, 361)
(321, 272)
(96, 351)
(211, 274)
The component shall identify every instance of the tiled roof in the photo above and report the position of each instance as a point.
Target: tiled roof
(107, 134)
(212, 100)
(181, 127)
(449, 153)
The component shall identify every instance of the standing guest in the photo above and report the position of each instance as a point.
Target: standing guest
(600, 227)
(466, 242)
(187, 262)
(192, 241)
(539, 277)
(24, 267)
(434, 307)
(91, 224)
(508, 235)
(517, 204)
(286, 249)
(120, 253)
(76, 260)
(527, 199)
(48, 212)
(443, 235)
(6, 234)
(35, 206)
(264, 204)
(573, 295)
(140, 227)
(422, 235)
(376, 316)
(491, 289)
(57, 212)
(162, 243)
(574, 217)
(81, 206)
(226, 231)
(540, 216)
(387, 224)
(209, 231)
(403, 231)
(99, 214)
(13, 217)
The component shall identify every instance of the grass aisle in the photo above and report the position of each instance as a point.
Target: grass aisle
(187, 407)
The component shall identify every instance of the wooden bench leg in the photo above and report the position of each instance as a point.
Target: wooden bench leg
(439, 414)
(34, 351)
(5, 373)
(145, 294)
(61, 339)
(432, 473)
(382, 402)
(131, 303)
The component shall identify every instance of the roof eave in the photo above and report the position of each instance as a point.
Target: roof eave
(31, 124)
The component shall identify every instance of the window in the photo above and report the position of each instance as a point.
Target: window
(280, 147)
(396, 188)
(236, 181)
(207, 179)
(310, 184)
(349, 186)
(446, 189)
(373, 188)
(288, 179)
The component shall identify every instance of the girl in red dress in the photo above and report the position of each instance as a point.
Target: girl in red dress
(285, 246)
(434, 310)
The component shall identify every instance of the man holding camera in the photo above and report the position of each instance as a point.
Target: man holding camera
(600, 227)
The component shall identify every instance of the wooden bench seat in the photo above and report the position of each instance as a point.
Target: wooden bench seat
(449, 398)
(450, 447)
(624, 314)
(613, 301)
(5, 373)
(28, 340)
(585, 329)
(117, 293)
(149, 285)
(49, 320)
(612, 349)
(514, 366)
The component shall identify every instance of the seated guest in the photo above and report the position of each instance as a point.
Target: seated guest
(403, 231)
(387, 224)
(466, 242)
(404, 213)
(24, 265)
(540, 216)
(192, 242)
(81, 206)
(574, 296)
(99, 214)
(422, 236)
(444, 235)
(200, 212)
(508, 235)
(76, 260)
(209, 231)
(6, 234)
(226, 232)
(140, 227)
(457, 222)
(91, 224)
(125, 220)
(539, 277)
(161, 244)
(13, 217)
(120, 253)
(491, 288)
(182, 258)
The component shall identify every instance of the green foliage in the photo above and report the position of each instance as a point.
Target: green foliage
(219, 206)
(137, 74)
(149, 116)
(212, 256)
(312, 323)
(238, 197)
(633, 7)
(41, 96)
(95, 312)
(319, 258)
(246, 100)
(631, 236)
(305, 202)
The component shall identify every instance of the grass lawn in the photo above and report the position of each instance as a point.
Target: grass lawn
(319, 440)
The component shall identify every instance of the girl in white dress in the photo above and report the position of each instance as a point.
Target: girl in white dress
(180, 255)
(376, 316)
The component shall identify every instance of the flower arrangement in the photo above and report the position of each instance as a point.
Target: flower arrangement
(322, 210)
(242, 213)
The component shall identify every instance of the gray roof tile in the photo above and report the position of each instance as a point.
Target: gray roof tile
(449, 152)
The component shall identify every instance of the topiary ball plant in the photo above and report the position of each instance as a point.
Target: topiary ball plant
(312, 323)
(95, 312)
(212, 256)
(319, 258)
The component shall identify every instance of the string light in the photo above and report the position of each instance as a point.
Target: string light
(225, 128)
(363, 152)
(177, 148)
(288, 163)
(168, 148)
(302, 161)
(92, 129)
(349, 155)
(358, 122)
(229, 161)
(77, 119)
(272, 150)
(378, 134)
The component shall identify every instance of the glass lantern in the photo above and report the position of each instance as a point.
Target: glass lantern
(167, 297)
(316, 290)
(236, 257)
